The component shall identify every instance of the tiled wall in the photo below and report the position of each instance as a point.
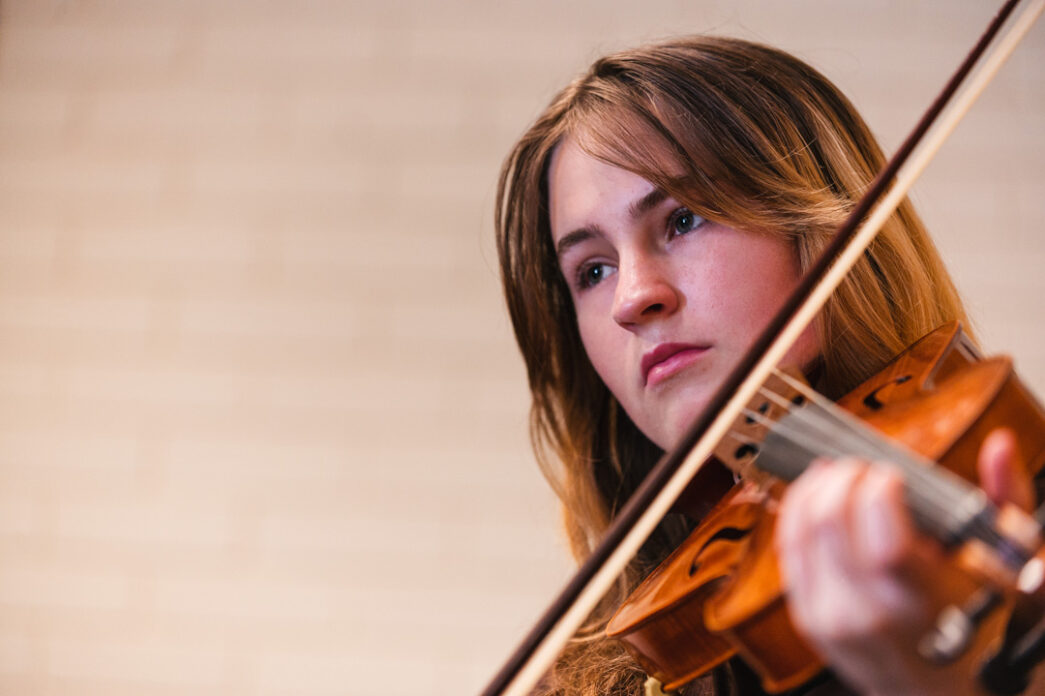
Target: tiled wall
(262, 423)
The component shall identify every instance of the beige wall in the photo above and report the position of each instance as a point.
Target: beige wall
(263, 423)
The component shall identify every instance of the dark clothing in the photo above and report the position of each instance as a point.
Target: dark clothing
(736, 679)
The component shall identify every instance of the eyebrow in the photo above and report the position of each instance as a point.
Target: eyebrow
(636, 209)
(574, 238)
(643, 205)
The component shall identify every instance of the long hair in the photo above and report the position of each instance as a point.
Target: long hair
(742, 134)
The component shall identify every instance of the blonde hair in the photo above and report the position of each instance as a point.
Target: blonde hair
(742, 134)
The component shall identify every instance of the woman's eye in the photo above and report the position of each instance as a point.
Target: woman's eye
(590, 275)
(684, 221)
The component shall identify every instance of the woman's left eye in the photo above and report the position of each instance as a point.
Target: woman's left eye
(684, 221)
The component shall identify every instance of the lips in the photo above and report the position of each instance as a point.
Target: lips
(667, 359)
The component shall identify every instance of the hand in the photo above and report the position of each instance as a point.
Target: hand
(863, 584)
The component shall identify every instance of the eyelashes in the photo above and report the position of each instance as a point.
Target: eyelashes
(592, 273)
(683, 221)
(680, 222)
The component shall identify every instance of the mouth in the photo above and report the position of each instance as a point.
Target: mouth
(668, 359)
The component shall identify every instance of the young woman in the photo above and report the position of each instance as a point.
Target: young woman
(650, 223)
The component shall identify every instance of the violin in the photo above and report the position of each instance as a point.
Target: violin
(669, 479)
(720, 593)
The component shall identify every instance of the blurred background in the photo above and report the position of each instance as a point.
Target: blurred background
(262, 422)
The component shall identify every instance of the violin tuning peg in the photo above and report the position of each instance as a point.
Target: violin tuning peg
(955, 627)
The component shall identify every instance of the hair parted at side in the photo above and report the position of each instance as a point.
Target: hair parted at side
(742, 134)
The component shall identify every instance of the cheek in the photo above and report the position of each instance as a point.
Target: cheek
(780, 274)
(606, 346)
(805, 350)
(772, 273)
(752, 287)
(598, 344)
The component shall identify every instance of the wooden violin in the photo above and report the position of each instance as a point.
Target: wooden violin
(668, 480)
(720, 593)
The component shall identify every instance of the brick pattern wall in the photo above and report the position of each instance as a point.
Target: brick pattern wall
(262, 423)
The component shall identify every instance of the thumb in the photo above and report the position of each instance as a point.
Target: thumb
(1003, 472)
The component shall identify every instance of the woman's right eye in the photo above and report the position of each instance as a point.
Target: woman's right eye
(591, 274)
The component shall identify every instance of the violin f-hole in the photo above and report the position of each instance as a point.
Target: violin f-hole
(724, 534)
(872, 402)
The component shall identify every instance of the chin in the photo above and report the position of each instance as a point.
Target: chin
(684, 420)
(677, 428)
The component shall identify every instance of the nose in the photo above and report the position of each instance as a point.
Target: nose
(643, 293)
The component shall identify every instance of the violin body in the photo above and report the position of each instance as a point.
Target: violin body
(665, 621)
(720, 593)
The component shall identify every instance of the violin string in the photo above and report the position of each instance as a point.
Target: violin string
(941, 517)
(855, 440)
(776, 398)
(861, 436)
(943, 502)
(821, 431)
(927, 495)
(922, 476)
(845, 423)
(923, 473)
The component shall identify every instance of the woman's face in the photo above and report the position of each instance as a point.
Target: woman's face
(666, 302)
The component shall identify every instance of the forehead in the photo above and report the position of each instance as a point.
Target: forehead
(584, 190)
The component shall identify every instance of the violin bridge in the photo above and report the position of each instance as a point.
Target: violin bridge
(739, 449)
